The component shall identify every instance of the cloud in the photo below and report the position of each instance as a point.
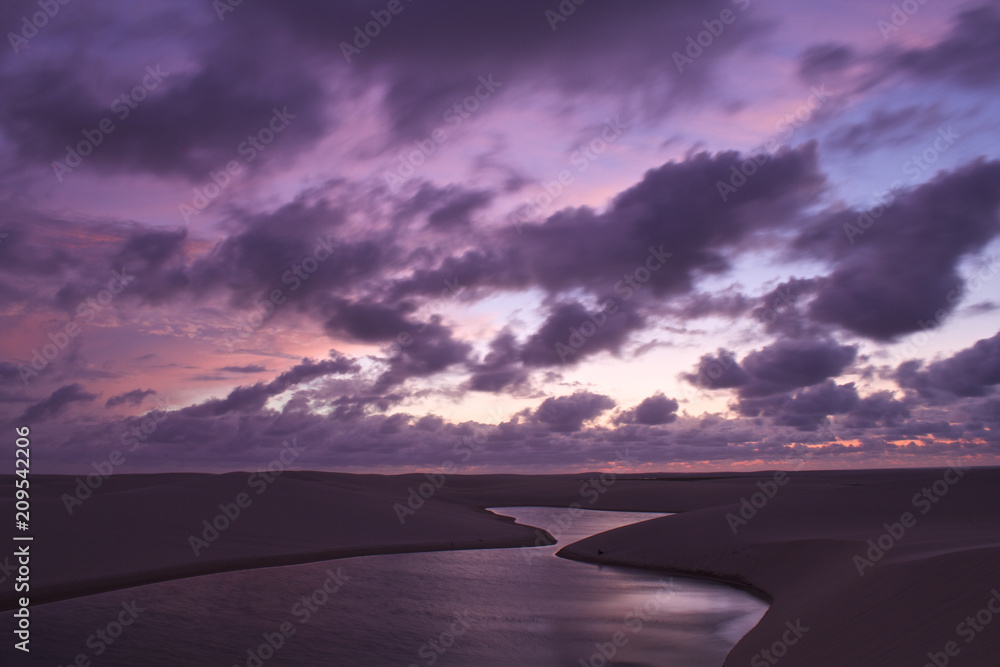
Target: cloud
(706, 304)
(781, 311)
(151, 247)
(822, 59)
(902, 270)
(653, 411)
(357, 407)
(466, 291)
(887, 127)
(268, 251)
(133, 398)
(790, 364)
(571, 333)
(253, 397)
(969, 54)
(567, 414)
(880, 408)
(677, 209)
(56, 403)
(459, 210)
(718, 371)
(580, 58)
(430, 349)
(368, 322)
(500, 368)
(973, 371)
(806, 409)
(765, 379)
(194, 111)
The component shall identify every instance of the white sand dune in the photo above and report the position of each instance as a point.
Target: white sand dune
(799, 551)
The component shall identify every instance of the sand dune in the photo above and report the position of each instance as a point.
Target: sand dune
(902, 599)
(837, 599)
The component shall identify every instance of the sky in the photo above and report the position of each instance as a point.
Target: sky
(493, 236)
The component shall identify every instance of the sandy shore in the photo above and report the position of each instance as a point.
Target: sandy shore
(837, 598)
(892, 568)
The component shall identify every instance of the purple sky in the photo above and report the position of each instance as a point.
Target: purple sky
(512, 236)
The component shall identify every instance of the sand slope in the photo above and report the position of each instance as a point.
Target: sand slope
(799, 551)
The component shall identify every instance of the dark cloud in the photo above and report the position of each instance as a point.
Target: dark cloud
(652, 411)
(194, 116)
(57, 401)
(887, 127)
(809, 407)
(901, 270)
(790, 364)
(675, 209)
(718, 371)
(973, 371)
(394, 424)
(428, 350)
(151, 248)
(415, 57)
(765, 377)
(368, 322)
(252, 398)
(310, 370)
(133, 398)
(782, 366)
(501, 367)
(654, 241)
(823, 59)
(348, 408)
(781, 311)
(806, 409)
(969, 54)
(706, 304)
(916, 428)
(567, 414)
(457, 211)
(571, 332)
(276, 250)
(443, 207)
(982, 413)
(880, 408)
(430, 423)
(618, 255)
(64, 262)
(494, 266)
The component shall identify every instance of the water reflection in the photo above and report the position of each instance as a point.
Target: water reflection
(484, 607)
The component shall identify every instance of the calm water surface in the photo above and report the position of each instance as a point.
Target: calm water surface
(487, 607)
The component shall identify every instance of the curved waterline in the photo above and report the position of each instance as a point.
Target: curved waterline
(513, 606)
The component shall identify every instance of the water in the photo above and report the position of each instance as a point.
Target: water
(487, 608)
